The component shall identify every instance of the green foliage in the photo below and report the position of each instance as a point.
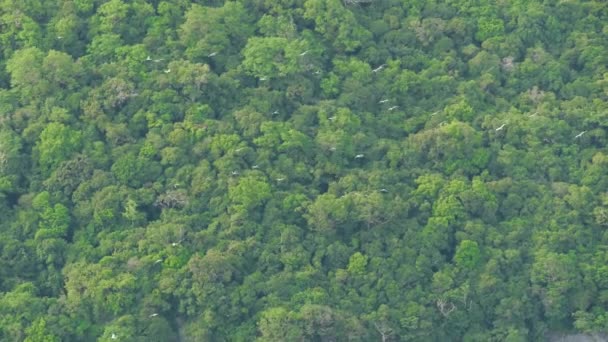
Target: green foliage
(336, 24)
(357, 263)
(249, 192)
(57, 143)
(302, 170)
(467, 254)
(270, 57)
(39, 332)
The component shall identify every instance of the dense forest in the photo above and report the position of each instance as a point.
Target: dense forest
(303, 170)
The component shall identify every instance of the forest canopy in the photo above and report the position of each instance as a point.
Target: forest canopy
(303, 170)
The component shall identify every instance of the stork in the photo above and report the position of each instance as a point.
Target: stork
(580, 134)
(379, 68)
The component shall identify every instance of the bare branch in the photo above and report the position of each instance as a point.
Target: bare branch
(445, 307)
(384, 330)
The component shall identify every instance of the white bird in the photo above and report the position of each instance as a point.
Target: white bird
(59, 37)
(383, 101)
(148, 58)
(275, 112)
(580, 134)
(212, 54)
(167, 71)
(383, 190)
(235, 173)
(114, 336)
(393, 108)
(263, 78)
(333, 148)
(153, 315)
(280, 179)
(359, 156)
(159, 260)
(332, 118)
(174, 244)
(304, 53)
(255, 167)
(379, 68)
(501, 127)
(158, 60)
(239, 149)
(317, 72)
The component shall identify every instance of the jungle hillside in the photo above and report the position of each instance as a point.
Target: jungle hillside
(303, 170)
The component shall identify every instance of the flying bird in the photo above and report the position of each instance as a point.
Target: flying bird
(501, 127)
(393, 108)
(212, 54)
(148, 58)
(167, 71)
(304, 53)
(383, 190)
(383, 101)
(580, 134)
(114, 336)
(379, 68)
(359, 156)
(153, 315)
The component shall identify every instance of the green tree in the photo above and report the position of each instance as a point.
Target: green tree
(57, 143)
(337, 24)
(249, 192)
(467, 254)
(25, 69)
(39, 332)
(222, 30)
(277, 324)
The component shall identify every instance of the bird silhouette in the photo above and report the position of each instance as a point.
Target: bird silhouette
(379, 68)
(580, 134)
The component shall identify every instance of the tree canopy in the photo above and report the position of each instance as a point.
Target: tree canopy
(303, 170)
